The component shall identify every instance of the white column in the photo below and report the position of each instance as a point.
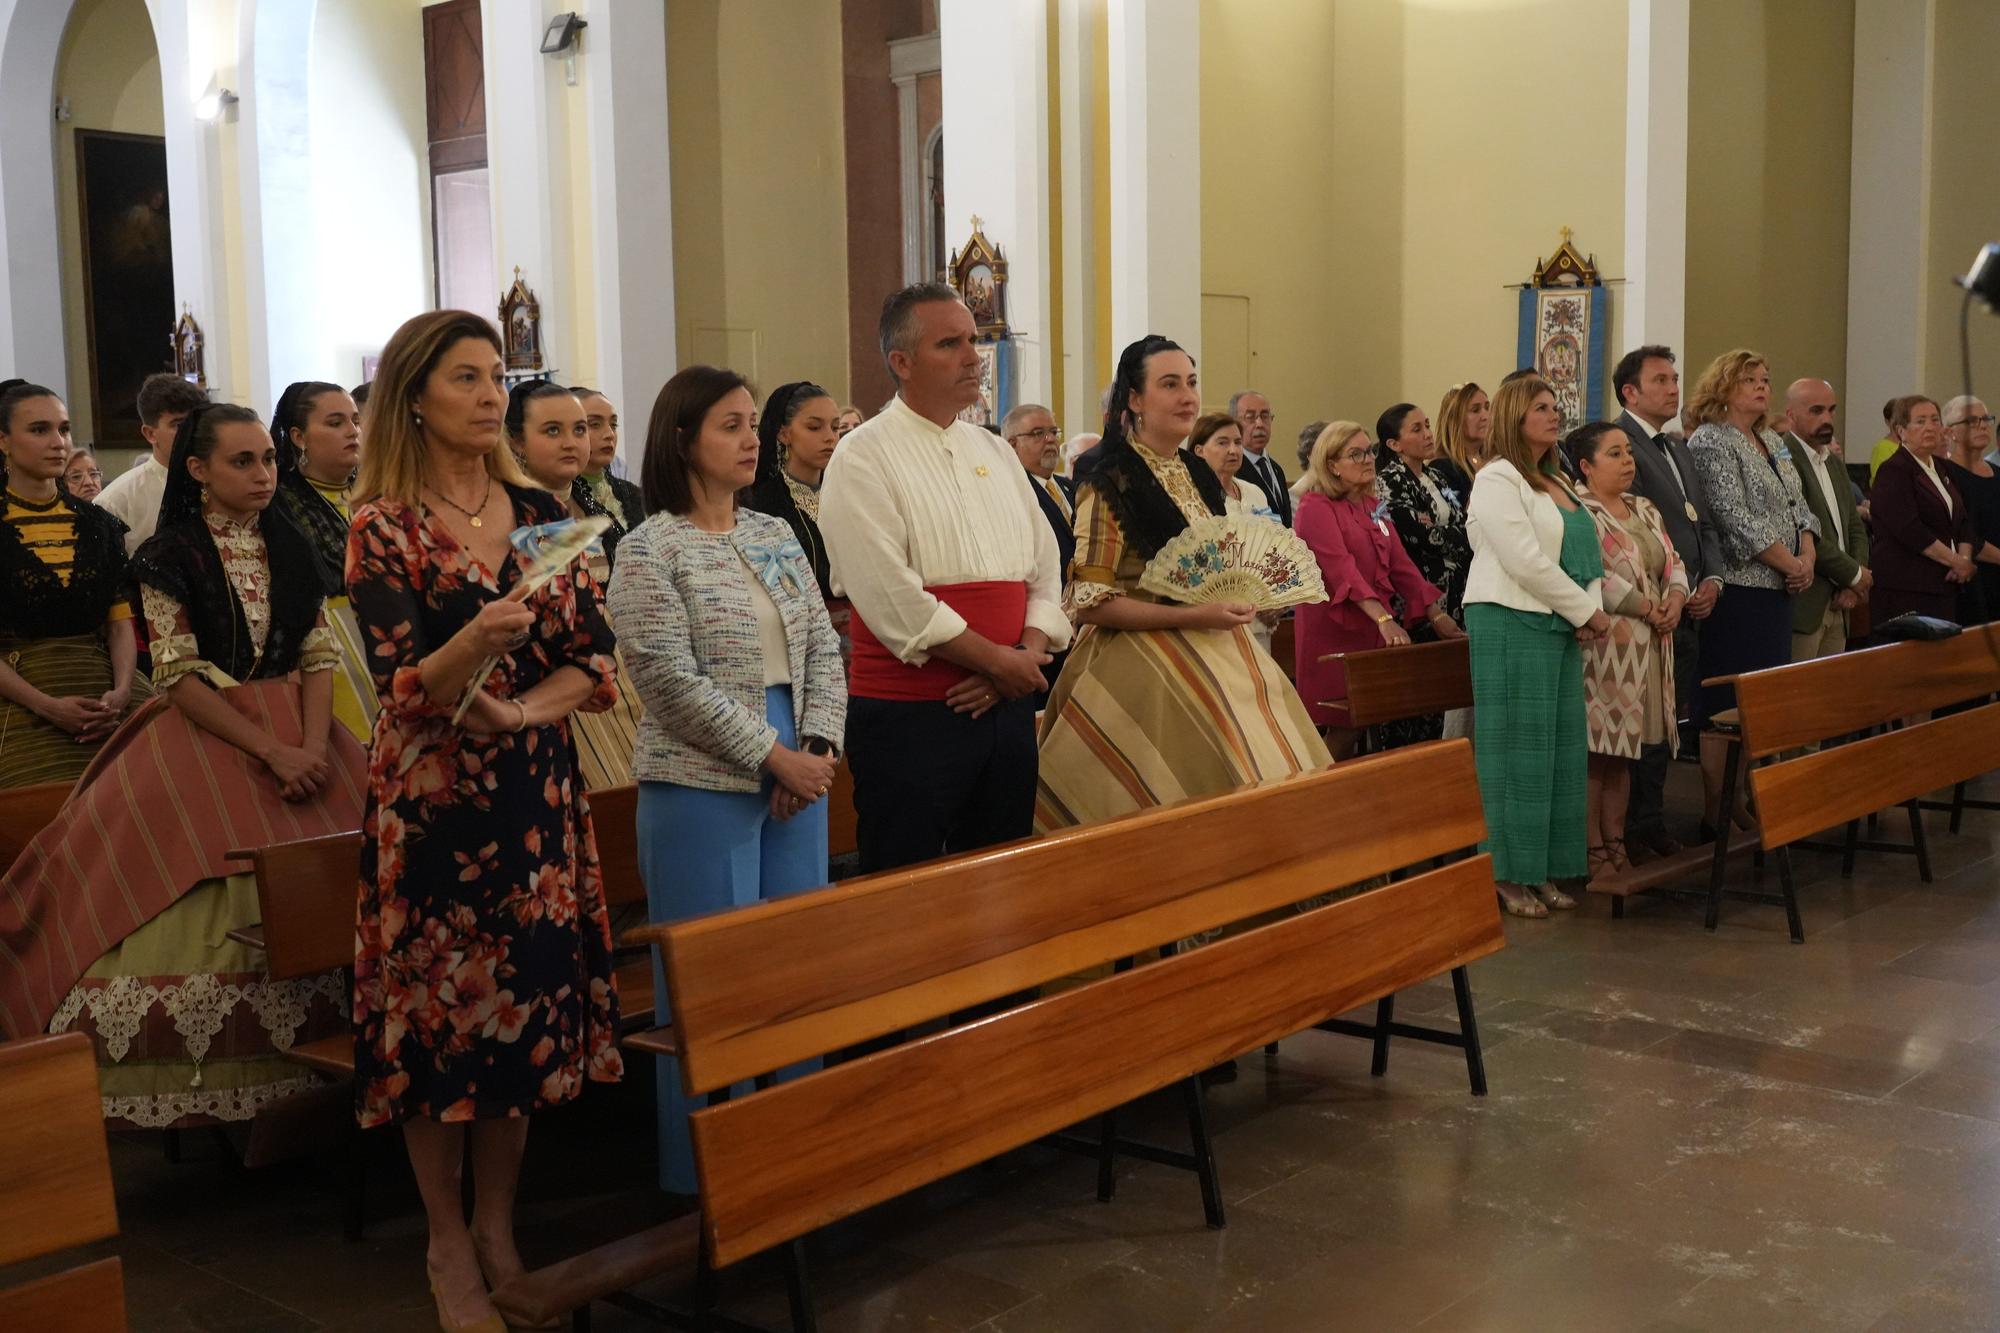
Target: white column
(193, 53)
(624, 64)
(910, 58)
(1656, 129)
(1156, 171)
(1077, 96)
(1886, 292)
(274, 41)
(995, 64)
(527, 153)
(31, 313)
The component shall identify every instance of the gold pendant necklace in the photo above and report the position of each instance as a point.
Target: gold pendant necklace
(472, 516)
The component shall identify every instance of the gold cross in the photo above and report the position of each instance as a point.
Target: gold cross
(975, 222)
(1566, 234)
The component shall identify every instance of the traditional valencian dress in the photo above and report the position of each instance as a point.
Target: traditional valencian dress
(63, 566)
(1146, 717)
(114, 921)
(482, 957)
(321, 512)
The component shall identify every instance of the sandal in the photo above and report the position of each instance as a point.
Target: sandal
(1520, 901)
(1553, 896)
(1602, 864)
(1620, 859)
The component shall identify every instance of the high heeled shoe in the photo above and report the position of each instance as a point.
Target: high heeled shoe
(492, 1323)
(486, 1271)
(1521, 902)
(1552, 896)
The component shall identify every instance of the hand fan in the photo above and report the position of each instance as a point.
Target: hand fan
(1232, 558)
(546, 550)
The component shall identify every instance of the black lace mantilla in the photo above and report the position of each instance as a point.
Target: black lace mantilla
(1146, 514)
(181, 561)
(37, 605)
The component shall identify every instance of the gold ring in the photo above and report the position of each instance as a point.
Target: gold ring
(822, 791)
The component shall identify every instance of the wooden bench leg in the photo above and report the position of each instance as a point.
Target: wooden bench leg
(1723, 823)
(798, 1288)
(1957, 806)
(1792, 921)
(1204, 1154)
(1107, 1155)
(1920, 842)
(1270, 1048)
(1468, 1027)
(579, 1319)
(354, 1190)
(1847, 852)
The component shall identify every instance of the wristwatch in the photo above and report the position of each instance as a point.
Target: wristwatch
(818, 745)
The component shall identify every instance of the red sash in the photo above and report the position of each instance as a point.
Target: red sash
(999, 611)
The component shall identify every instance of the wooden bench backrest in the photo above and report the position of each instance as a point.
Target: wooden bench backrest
(779, 1163)
(306, 893)
(614, 819)
(1390, 684)
(1787, 707)
(758, 988)
(26, 811)
(1799, 797)
(55, 1171)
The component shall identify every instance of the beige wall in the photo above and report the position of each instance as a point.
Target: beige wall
(1769, 139)
(109, 72)
(1373, 179)
(760, 235)
(1964, 187)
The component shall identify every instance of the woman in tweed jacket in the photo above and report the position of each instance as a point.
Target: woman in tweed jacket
(726, 638)
(1767, 539)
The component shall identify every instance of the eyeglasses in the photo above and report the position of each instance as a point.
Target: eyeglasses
(1357, 455)
(89, 474)
(1046, 434)
(1266, 417)
(1974, 421)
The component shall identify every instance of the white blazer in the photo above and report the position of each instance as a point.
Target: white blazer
(1516, 533)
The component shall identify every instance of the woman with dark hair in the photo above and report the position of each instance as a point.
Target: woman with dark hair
(795, 439)
(727, 637)
(317, 430)
(483, 987)
(1429, 516)
(189, 1029)
(614, 495)
(1628, 675)
(67, 651)
(1158, 702)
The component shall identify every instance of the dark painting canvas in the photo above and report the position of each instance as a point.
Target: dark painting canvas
(128, 274)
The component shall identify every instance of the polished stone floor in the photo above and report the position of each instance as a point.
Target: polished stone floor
(1685, 1132)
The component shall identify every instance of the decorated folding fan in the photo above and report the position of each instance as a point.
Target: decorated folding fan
(546, 550)
(1232, 558)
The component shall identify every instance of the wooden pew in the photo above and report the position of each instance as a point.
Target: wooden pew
(1391, 684)
(776, 983)
(840, 836)
(26, 811)
(55, 1186)
(1867, 694)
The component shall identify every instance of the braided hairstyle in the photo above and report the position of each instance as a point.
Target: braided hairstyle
(1387, 427)
(181, 501)
(12, 394)
(294, 412)
(779, 409)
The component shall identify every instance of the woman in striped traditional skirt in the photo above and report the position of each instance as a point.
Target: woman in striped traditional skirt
(317, 430)
(115, 920)
(67, 651)
(1157, 702)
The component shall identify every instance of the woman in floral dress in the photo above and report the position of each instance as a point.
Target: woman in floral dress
(482, 971)
(1429, 516)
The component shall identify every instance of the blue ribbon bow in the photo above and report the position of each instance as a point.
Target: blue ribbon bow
(772, 564)
(528, 541)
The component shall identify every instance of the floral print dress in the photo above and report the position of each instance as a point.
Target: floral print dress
(1430, 519)
(482, 958)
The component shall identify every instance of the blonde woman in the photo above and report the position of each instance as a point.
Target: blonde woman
(1531, 600)
(1464, 420)
(1767, 536)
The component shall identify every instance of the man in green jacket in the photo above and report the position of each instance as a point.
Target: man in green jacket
(1840, 567)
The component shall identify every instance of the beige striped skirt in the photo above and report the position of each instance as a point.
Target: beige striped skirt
(32, 750)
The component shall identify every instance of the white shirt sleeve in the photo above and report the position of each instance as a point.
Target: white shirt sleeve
(867, 546)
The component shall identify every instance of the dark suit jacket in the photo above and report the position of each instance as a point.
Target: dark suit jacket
(1834, 567)
(1276, 488)
(1908, 514)
(1059, 522)
(1698, 542)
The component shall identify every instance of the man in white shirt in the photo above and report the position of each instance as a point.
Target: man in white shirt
(1840, 561)
(935, 537)
(1252, 411)
(164, 401)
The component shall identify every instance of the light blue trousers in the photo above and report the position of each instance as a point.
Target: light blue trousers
(704, 851)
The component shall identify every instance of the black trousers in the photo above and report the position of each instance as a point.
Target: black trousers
(1647, 812)
(929, 782)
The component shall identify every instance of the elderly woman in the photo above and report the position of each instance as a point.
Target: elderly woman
(1968, 435)
(1628, 675)
(1531, 599)
(1924, 529)
(736, 750)
(1767, 530)
(1218, 441)
(1464, 419)
(82, 479)
(483, 987)
(1375, 592)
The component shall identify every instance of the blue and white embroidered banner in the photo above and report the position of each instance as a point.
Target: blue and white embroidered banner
(1563, 336)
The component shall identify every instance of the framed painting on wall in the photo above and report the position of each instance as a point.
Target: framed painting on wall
(128, 274)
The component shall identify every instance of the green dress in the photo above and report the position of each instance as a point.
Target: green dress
(1529, 739)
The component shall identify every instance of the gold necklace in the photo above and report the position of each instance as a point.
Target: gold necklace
(470, 514)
